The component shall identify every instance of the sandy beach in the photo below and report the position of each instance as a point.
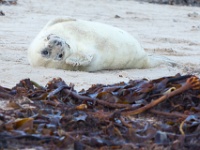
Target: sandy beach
(171, 31)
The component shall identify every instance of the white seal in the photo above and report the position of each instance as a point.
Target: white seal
(72, 44)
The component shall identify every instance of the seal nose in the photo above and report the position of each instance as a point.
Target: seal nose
(59, 43)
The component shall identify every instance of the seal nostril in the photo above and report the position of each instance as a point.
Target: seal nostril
(59, 43)
(60, 55)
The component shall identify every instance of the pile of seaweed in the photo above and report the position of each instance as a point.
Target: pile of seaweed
(176, 2)
(140, 114)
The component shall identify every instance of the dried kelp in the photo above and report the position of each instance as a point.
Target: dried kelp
(140, 114)
(8, 2)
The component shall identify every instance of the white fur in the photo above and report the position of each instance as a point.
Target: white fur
(71, 44)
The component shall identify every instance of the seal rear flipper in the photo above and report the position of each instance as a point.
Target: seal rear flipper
(155, 60)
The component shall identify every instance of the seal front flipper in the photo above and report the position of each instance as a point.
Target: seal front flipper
(79, 59)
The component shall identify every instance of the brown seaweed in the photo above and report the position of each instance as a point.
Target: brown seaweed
(8, 2)
(139, 114)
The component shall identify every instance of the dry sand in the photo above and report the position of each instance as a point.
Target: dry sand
(172, 31)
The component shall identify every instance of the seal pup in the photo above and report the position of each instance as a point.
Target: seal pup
(72, 44)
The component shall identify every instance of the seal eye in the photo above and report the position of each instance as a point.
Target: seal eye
(45, 52)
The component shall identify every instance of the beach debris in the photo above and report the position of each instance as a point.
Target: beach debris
(139, 114)
(193, 15)
(2, 13)
(8, 2)
(175, 2)
(117, 16)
